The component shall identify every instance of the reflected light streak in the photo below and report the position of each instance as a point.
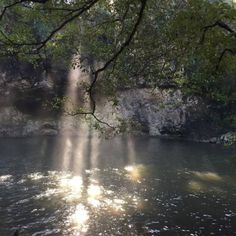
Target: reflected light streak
(78, 154)
(116, 205)
(64, 148)
(71, 94)
(94, 151)
(94, 191)
(35, 176)
(131, 152)
(207, 176)
(71, 150)
(94, 195)
(195, 186)
(4, 178)
(72, 187)
(80, 218)
(73, 183)
(50, 192)
(44, 147)
(135, 172)
(129, 168)
(83, 199)
(94, 202)
(67, 146)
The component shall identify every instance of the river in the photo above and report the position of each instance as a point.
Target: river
(120, 186)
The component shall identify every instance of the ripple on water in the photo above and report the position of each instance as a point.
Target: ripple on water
(112, 202)
(47, 232)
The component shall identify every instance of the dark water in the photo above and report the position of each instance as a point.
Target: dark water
(123, 186)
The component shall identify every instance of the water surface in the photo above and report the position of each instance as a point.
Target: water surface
(122, 186)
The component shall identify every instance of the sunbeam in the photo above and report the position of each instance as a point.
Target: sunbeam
(70, 147)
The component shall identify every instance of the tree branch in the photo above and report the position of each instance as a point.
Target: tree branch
(97, 72)
(115, 56)
(41, 44)
(19, 2)
(227, 50)
(79, 11)
(9, 6)
(220, 24)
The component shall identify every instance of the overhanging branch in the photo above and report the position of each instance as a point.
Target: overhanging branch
(226, 50)
(96, 73)
(220, 24)
(73, 14)
(19, 2)
(39, 45)
(226, 28)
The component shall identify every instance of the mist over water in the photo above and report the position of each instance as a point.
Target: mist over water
(74, 185)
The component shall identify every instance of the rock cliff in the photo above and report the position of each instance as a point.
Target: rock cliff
(155, 112)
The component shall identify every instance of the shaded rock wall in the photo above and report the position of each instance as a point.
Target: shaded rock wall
(156, 112)
(167, 113)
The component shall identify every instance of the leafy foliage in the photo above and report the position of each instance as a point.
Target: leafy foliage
(207, 71)
(189, 44)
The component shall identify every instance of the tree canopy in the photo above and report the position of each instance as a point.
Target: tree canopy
(187, 44)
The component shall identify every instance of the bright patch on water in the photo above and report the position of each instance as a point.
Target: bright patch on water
(5, 178)
(175, 190)
(208, 176)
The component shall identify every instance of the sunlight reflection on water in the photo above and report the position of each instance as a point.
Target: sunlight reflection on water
(116, 194)
(82, 200)
(79, 218)
(5, 178)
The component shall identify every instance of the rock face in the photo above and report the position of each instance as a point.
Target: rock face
(158, 112)
(155, 112)
(167, 112)
(14, 123)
